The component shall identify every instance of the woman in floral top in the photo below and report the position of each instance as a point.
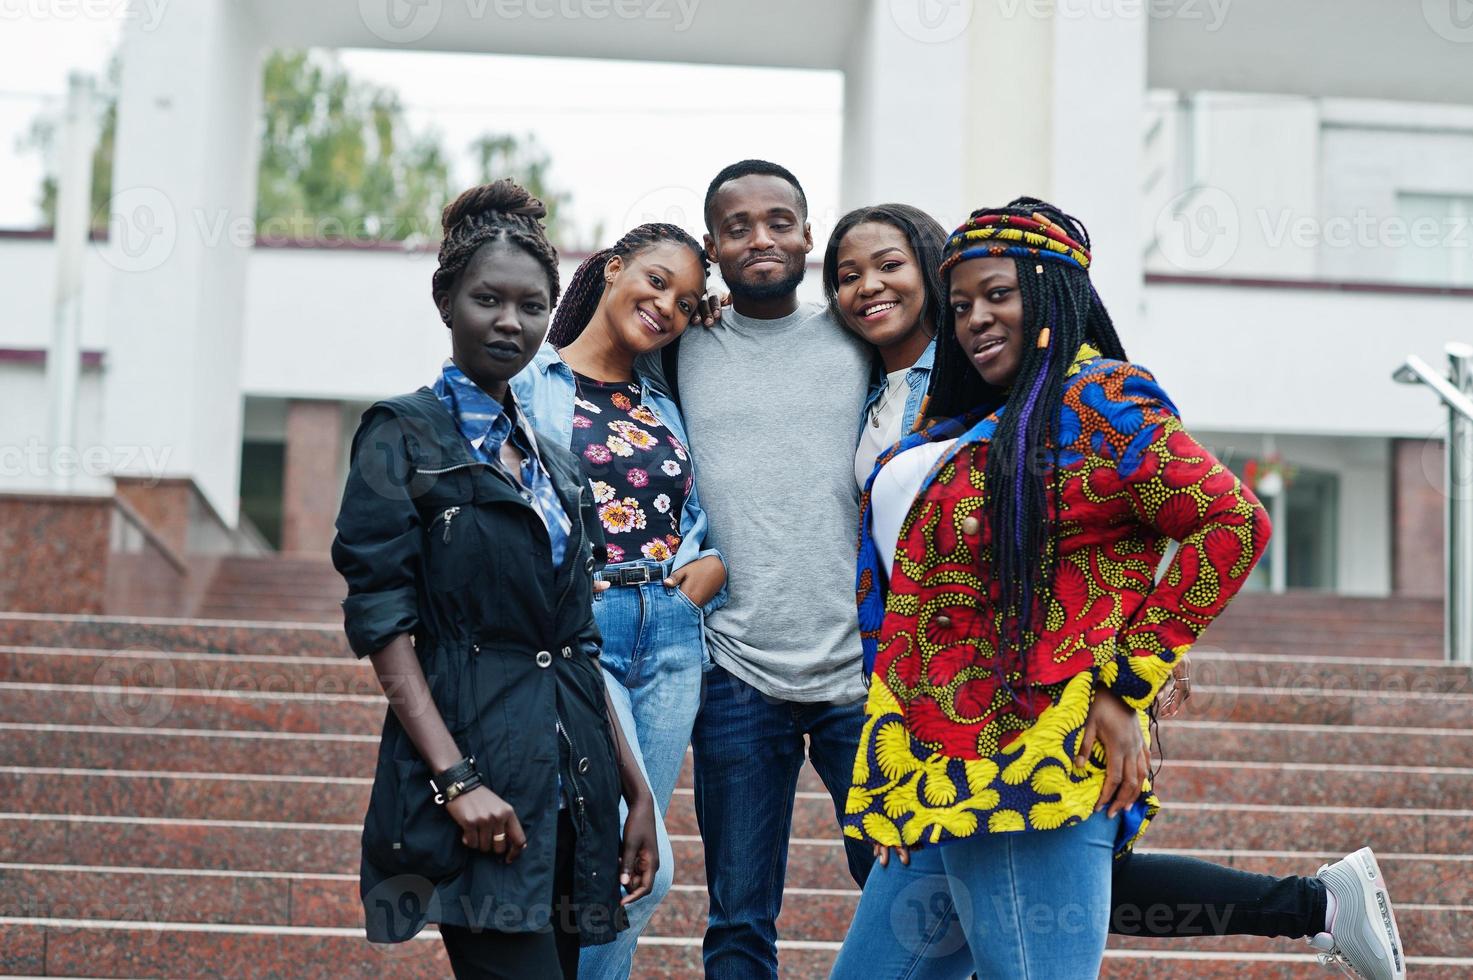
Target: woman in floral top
(583, 392)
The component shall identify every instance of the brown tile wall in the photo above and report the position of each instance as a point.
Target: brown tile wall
(311, 487)
(1418, 517)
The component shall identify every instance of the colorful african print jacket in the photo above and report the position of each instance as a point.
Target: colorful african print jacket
(947, 751)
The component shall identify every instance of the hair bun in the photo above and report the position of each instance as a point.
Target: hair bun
(504, 196)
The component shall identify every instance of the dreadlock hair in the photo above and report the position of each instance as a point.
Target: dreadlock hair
(926, 239)
(587, 287)
(747, 168)
(1061, 312)
(502, 211)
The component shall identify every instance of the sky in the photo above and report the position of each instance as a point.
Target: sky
(631, 141)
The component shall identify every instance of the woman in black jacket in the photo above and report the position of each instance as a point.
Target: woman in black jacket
(468, 548)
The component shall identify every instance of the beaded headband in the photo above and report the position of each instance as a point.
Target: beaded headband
(1007, 234)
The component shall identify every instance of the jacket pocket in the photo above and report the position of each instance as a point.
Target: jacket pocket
(453, 554)
(406, 831)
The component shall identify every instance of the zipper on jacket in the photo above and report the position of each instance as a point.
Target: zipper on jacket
(447, 517)
(572, 765)
(452, 469)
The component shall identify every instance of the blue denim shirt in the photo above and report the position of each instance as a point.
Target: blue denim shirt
(917, 379)
(545, 392)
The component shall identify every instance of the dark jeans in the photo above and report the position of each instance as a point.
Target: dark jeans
(748, 750)
(487, 954)
(1167, 895)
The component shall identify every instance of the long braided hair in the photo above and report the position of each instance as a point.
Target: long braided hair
(501, 211)
(1051, 249)
(587, 288)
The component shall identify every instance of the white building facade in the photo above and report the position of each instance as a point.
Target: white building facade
(1271, 242)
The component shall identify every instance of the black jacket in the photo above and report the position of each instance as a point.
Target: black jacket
(438, 545)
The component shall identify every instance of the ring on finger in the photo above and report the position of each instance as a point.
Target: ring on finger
(498, 838)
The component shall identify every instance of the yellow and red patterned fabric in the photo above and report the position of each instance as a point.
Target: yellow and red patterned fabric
(947, 751)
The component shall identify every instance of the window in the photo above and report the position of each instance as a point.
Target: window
(1439, 246)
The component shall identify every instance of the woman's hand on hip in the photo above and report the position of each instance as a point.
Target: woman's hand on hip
(488, 823)
(700, 580)
(639, 853)
(1116, 726)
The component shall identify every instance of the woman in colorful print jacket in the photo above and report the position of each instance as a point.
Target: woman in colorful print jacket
(993, 621)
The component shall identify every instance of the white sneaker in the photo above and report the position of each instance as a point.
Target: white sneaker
(1362, 940)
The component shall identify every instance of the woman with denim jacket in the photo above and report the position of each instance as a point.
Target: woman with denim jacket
(468, 547)
(881, 278)
(584, 393)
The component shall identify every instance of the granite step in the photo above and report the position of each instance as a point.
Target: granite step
(174, 707)
(96, 947)
(214, 795)
(197, 635)
(218, 672)
(127, 706)
(291, 753)
(1182, 824)
(251, 672)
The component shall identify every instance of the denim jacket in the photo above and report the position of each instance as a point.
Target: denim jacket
(917, 379)
(544, 389)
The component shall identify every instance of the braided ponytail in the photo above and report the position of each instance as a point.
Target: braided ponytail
(500, 211)
(576, 310)
(1022, 474)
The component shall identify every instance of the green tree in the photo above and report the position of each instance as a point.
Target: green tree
(337, 158)
(525, 161)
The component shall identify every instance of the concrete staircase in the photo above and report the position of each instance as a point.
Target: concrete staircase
(160, 812)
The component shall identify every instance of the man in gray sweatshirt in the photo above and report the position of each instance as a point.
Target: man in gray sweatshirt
(772, 396)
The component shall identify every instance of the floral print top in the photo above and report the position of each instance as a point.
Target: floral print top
(639, 471)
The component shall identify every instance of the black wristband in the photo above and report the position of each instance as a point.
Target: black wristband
(457, 773)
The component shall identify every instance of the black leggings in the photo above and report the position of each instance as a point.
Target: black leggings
(486, 954)
(1167, 895)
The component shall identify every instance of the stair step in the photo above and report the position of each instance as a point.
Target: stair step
(200, 635)
(221, 796)
(98, 947)
(198, 671)
(288, 753)
(181, 708)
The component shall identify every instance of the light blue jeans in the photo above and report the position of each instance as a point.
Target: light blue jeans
(1032, 905)
(653, 656)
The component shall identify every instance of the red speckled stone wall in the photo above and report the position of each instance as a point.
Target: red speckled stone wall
(54, 553)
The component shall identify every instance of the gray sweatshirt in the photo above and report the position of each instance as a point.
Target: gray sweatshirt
(772, 408)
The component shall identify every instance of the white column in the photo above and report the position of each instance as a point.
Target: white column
(1056, 107)
(905, 108)
(180, 236)
(73, 214)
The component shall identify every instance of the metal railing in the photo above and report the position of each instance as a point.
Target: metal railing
(1456, 392)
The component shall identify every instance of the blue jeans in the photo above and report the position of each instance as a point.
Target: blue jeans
(653, 655)
(748, 751)
(1031, 905)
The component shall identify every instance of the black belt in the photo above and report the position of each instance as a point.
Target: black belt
(638, 575)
